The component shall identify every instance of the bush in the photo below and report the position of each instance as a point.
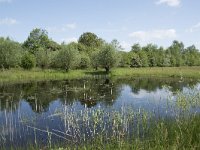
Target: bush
(28, 61)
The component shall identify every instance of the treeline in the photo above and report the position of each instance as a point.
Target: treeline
(90, 52)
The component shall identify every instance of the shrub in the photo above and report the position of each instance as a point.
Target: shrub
(28, 61)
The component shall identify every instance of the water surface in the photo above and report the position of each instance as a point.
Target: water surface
(28, 111)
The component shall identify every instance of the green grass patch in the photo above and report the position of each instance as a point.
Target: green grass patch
(20, 75)
(180, 72)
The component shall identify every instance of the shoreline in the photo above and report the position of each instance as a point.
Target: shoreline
(24, 76)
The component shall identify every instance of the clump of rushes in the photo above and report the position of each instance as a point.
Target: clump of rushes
(136, 129)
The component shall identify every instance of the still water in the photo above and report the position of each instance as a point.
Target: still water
(30, 111)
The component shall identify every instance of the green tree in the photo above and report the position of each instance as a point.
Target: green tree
(28, 61)
(38, 38)
(53, 59)
(191, 56)
(143, 58)
(108, 57)
(160, 55)
(123, 58)
(81, 47)
(10, 53)
(84, 61)
(151, 51)
(94, 57)
(176, 50)
(43, 58)
(52, 45)
(166, 61)
(68, 57)
(136, 47)
(135, 60)
(90, 40)
(115, 43)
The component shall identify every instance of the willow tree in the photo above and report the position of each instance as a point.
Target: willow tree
(108, 57)
(68, 57)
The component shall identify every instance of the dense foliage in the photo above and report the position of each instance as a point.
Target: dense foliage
(67, 57)
(91, 52)
(107, 57)
(28, 61)
(10, 53)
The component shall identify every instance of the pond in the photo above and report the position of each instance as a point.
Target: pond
(53, 112)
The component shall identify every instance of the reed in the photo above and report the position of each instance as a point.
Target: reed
(108, 128)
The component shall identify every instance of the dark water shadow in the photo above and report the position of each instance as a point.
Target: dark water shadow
(99, 72)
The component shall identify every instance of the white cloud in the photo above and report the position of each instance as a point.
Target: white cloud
(154, 34)
(62, 28)
(5, 1)
(194, 28)
(172, 3)
(8, 21)
(69, 40)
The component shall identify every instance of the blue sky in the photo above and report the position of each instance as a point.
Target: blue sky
(128, 21)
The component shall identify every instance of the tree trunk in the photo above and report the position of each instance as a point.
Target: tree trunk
(107, 69)
(66, 69)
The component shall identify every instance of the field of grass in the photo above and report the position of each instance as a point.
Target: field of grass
(179, 72)
(20, 75)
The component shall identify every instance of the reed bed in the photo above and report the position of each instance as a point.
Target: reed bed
(109, 128)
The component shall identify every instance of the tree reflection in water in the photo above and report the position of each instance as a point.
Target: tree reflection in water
(88, 92)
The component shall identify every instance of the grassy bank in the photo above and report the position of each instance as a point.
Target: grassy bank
(179, 72)
(20, 75)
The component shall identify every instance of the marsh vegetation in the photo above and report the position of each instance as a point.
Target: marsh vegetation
(140, 113)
